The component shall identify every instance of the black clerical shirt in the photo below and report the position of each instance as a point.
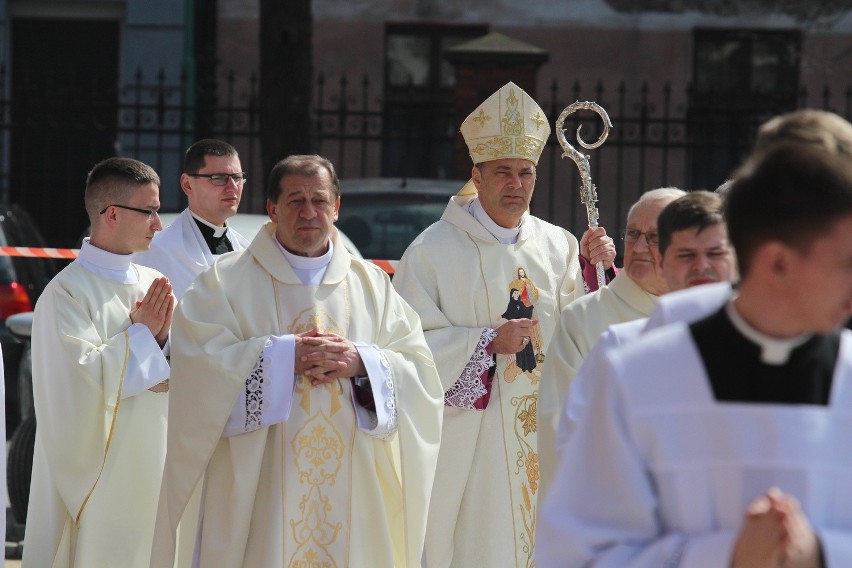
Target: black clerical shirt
(217, 245)
(737, 373)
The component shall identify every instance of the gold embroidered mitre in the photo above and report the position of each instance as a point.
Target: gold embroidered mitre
(509, 124)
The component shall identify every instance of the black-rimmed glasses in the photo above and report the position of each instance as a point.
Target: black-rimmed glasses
(222, 179)
(149, 212)
(630, 236)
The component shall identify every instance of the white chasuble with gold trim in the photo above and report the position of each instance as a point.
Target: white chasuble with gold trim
(516, 382)
(460, 280)
(313, 490)
(317, 440)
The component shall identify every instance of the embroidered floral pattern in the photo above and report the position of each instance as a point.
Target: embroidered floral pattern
(254, 396)
(470, 386)
(319, 452)
(527, 417)
(527, 463)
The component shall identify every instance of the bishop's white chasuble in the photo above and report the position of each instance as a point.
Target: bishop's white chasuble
(460, 280)
(314, 490)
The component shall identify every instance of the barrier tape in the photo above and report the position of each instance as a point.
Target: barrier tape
(39, 252)
(388, 266)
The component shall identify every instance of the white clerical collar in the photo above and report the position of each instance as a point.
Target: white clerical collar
(217, 231)
(773, 351)
(502, 234)
(113, 266)
(309, 269)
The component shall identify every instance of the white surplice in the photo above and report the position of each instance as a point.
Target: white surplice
(661, 473)
(100, 441)
(180, 252)
(316, 488)
(688, 305)
(459, 277)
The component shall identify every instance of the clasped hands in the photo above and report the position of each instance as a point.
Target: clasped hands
(776, 534)
(324, 357)
(155, 311)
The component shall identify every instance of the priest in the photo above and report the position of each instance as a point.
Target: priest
(99, 385)
(304, 399)
(722, 442)
(213, 182)
(630, 296)
(489, 281)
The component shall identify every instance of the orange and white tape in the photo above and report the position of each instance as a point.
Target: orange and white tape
(388, 266)
(39, 252)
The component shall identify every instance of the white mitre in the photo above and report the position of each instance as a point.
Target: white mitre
(509, 124)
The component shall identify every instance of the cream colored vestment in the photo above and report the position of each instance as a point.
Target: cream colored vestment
(98, 457)
(579, 328)
(313, 489)
(459, 278)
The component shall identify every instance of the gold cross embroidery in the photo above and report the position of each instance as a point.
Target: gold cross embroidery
(481, 118)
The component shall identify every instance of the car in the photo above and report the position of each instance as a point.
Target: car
(22, 280)
(383, 215)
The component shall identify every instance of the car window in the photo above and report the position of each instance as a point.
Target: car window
(383, 226)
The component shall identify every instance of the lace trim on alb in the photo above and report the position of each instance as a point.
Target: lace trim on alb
(469, 387)
(254, 396)
(390, 401)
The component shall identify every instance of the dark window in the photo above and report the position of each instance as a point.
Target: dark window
(748, 63)
(419, 113)
(64, 116)
(740, 78)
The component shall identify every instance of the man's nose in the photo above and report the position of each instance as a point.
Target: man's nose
(702, 262)
(515, 180)
(641, 243)
(308, 210)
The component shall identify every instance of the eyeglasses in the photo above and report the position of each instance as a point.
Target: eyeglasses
(630, 236)
(222, 179)
(149, 212)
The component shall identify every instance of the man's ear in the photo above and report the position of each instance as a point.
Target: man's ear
(476, 177)
(272, 210)
(109, 218)
(776, 258)
(184, 184)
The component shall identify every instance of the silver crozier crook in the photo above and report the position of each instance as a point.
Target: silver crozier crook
(588, 195)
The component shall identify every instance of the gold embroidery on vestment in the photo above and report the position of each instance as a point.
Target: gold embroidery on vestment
(319, 451)
(513, 122)
(481, 118)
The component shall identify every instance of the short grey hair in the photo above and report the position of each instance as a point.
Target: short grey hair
(661, 193)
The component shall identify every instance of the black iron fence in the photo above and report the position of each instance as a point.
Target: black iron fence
(662, 136)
